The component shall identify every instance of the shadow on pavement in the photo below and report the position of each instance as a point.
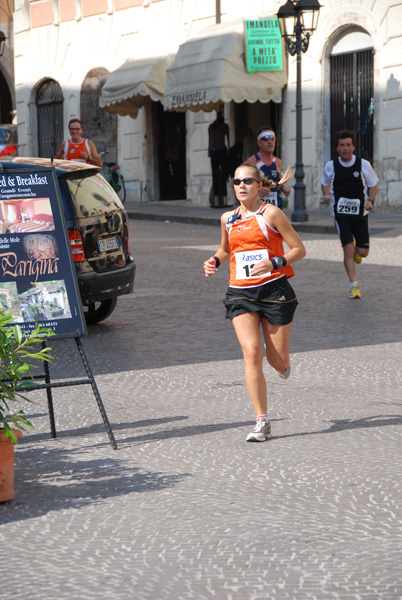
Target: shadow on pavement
(346, 424)
(70, 479)
(98, 428)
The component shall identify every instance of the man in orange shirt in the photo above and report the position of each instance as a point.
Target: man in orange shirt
(79, 148)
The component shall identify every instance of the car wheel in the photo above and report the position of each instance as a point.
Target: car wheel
(98, 311)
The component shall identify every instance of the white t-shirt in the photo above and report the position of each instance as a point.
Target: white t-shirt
(370, 178)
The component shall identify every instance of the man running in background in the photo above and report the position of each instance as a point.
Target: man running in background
(79, 148)
(350, 185)
(270, 165)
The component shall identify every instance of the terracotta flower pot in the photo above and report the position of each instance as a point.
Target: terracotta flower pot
(7, 466)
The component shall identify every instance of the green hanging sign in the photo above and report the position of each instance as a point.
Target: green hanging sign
(263, 45)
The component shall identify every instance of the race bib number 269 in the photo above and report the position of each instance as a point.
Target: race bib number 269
(246, 260)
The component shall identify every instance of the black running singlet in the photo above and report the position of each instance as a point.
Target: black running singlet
(348, 189)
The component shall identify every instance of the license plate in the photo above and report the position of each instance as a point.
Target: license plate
(108, 244)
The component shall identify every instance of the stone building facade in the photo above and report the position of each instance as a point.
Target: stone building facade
(65, 50)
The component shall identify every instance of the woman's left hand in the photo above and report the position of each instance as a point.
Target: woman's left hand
(262, 267)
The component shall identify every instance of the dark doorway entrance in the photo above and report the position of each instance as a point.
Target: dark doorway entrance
(249, 118)
(171, 153)
(49, 103)
(352, 99)
(6, 106)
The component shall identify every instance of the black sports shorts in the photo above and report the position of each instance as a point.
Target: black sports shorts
(350, 228)
(274, 301)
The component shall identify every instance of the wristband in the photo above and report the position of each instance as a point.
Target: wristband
(372, 201)
(278, 262)
(217, 262)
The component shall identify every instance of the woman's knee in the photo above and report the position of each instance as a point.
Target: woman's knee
(253, 354)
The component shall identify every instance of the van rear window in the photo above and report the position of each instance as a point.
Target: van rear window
(93, 196)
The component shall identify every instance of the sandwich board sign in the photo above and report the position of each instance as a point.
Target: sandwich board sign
(38, 282)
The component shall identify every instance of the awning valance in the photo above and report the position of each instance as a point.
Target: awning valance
(128, 86)
(210, 69)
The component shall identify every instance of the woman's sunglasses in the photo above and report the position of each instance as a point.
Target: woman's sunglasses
(246, 180)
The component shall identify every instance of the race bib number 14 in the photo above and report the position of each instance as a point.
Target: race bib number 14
(245, 261)
(348, 206)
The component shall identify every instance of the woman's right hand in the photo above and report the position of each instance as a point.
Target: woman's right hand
(210, 267)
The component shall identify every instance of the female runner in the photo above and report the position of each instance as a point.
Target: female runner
(259, 294)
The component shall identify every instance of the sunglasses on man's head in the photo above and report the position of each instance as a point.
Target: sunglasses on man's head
(265, 138)
(246, 180)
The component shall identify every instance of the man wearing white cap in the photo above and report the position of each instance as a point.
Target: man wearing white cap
(270, 165)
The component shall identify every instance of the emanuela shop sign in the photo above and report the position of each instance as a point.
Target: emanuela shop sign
(263, 45)
(189, 98)
(38, 282)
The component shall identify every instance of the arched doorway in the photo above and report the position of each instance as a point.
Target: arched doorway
(6, 105)
(99, 125)
(49, 106)
(352, 90)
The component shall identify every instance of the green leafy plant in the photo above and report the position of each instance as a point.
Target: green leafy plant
(18, 355)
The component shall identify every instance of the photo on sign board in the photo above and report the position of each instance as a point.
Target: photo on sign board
(26, 215)
(44, 301)
(39, 246)
(9, 297)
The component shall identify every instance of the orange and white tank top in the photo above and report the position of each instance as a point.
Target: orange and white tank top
(250, 241)
(73, 151)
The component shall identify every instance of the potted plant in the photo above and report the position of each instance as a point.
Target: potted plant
(18, 354)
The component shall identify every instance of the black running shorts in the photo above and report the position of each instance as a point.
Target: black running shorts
(353, 228)
(274, 301)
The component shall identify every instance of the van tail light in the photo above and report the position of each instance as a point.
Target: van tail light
(8, 150)
(128, 239)
(77, 245)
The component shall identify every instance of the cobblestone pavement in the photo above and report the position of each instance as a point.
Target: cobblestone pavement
(185, 509)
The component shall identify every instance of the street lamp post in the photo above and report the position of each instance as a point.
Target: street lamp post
(299, 20)
(217, 11)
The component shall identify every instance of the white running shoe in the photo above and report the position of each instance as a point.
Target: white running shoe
(261, 431)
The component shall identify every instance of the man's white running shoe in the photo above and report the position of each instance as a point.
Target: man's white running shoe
(284, 374)
(261, 431)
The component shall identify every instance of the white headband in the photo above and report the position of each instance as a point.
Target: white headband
(267, 132)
